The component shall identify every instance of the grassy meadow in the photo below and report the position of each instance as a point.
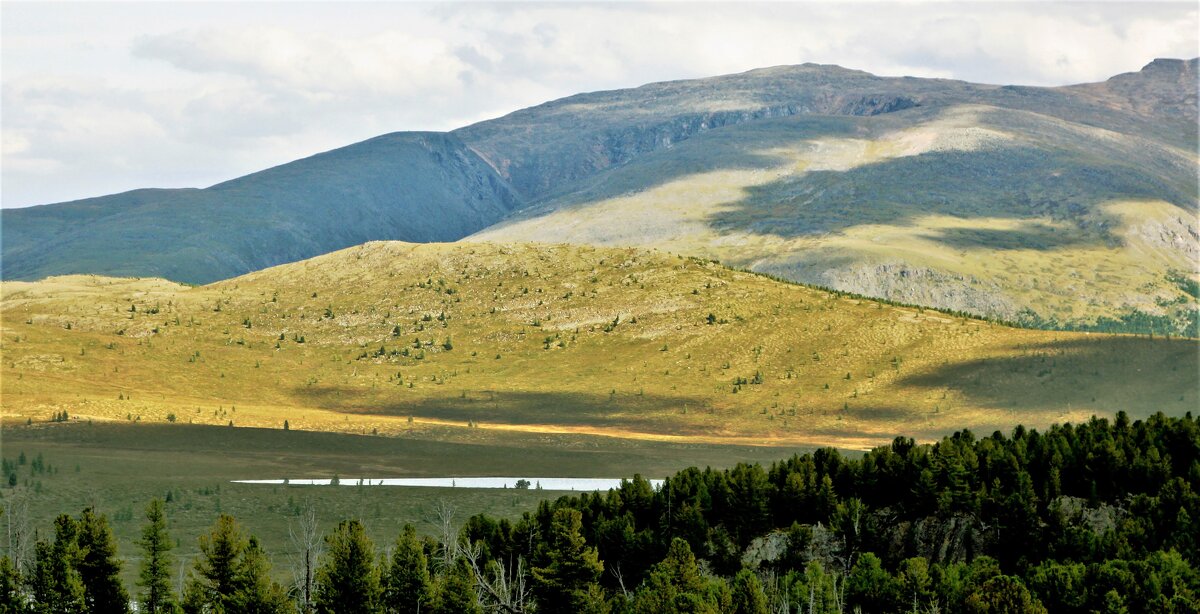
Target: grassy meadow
(394, 338)
(117, 468)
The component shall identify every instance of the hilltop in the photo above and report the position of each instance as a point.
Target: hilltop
(1004, 201)
(396, 339)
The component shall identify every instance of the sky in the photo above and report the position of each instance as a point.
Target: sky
(98, 98)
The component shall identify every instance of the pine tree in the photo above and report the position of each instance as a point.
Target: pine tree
(55, 585)
(256, 592)
(348, 581)
(748, 596)
(570, 568)
(674, 585)
(456, 591)
(406, 582)
(214, 579)
(232, 575)
(98, 565)
(11, 597)
(155, 576)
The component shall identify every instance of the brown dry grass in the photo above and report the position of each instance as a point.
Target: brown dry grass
(530, 352)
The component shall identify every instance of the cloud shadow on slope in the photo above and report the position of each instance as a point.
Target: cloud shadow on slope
(1102, 373)
(1001, 182)
(1015, 182)
(731, 148)
(655, 413)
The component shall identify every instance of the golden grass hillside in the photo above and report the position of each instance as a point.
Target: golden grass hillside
(396, 338)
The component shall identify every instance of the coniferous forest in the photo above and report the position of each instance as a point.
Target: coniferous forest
(1097, 517)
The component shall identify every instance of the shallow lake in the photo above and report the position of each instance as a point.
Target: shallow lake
(578, 484)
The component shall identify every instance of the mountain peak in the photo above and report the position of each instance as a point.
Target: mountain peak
(1173, 65)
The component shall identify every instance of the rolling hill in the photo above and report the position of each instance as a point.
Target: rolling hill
(396, 338)
(1061, 207)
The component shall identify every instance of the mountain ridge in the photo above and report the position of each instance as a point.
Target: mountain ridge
(485, 177)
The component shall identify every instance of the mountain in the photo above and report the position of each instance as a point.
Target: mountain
(394, 337)
(1054, 206)
(1063, 207)
(419, 186)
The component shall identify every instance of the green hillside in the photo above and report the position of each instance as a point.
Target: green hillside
(396, 338)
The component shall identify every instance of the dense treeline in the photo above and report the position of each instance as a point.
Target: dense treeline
(1098, 517)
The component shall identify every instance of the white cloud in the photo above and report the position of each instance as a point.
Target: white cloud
(100, 98)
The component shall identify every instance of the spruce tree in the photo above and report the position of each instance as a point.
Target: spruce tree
(348, 581)
(232, 575)
(155, 575)
(98, 565)
(674, 585)
(11, 597)
(406, 586)
(256, 592)
(748, 596)
(570, 569)
(456, 591)
(54, 585)
(213, 581)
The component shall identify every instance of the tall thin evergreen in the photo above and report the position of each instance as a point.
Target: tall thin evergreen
(98, 565)
(11, 597)
(155, 576)
(232, 575)
(54, 584)
(570, 567)
(348, 581)
(456, 591)
(406, 585)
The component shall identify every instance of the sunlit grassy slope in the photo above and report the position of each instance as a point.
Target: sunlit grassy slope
(999, 212)
(396, 338)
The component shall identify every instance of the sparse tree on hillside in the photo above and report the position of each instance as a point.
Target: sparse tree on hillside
(155, 575)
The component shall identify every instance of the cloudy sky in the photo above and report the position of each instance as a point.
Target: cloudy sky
(100, 98)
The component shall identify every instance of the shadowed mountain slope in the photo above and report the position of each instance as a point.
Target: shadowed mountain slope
(412, 186)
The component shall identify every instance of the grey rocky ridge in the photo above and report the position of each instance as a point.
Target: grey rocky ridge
(1064, 206)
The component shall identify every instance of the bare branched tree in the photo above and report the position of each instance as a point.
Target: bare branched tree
(17, 526)
(501, 588)
(307, 544)
(615, 570)
(443, 519)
